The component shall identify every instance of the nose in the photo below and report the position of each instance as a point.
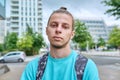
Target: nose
(59, 29)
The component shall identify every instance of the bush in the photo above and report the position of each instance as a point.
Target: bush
(1, 47)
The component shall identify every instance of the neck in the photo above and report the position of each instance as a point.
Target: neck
(60, 53)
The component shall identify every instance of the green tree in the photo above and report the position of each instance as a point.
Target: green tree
(10, 41)
(114, 37)
(1, 47)
(31, 42)
(114, 7)
(101, 42)
(37, 43)
(29, 30)
(25, 43)
(81, 34)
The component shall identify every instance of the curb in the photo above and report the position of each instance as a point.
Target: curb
(114, 54)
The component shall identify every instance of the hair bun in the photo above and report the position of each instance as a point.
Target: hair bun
(63, 8)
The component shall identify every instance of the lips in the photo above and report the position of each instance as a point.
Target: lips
(57, 38)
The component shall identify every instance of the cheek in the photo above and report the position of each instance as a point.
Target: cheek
(49, 33)
(68, 36)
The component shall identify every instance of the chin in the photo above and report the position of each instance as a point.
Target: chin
(58, 46)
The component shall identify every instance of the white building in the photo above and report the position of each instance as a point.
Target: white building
(110, 28)
(2, 31)
(23, 12)
(7, 22)
(2, 21)
(96, 27)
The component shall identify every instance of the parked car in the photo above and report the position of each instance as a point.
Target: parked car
(15, 56)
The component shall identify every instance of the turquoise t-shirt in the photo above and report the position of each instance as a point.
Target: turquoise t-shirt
(60, 69)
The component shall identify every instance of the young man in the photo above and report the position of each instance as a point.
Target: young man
(60, 63)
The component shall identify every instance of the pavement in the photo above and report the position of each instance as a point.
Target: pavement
(13, 74)
(107, 72)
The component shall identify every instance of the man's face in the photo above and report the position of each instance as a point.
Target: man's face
(59, 30)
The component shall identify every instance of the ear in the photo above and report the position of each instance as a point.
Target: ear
(47, 30)
(72, 35)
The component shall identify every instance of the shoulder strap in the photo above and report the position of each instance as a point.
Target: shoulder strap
(41, 66)
(80, 66)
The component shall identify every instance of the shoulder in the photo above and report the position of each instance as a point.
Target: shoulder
(75, 53)
(33, 64)
(29, 72)
(91, 66)
(34, 61)
(91, 71)
(90, 63)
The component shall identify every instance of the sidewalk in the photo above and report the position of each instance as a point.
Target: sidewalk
(14, 73)
(109, 72)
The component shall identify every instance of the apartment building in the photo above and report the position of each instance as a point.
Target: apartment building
(110, 28)
(2, 21)
(23, 13)
(96, 27)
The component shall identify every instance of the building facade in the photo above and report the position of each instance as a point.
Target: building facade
(2, 9)
(96, 27)
(24, 13)
(110, 28)
(2, 21)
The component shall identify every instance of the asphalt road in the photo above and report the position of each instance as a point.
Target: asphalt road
(105, 60)
(109, 67)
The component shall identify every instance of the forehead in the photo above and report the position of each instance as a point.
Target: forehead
(61, 17)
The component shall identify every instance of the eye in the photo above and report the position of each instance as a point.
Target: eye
(65, 26)
(53, 25)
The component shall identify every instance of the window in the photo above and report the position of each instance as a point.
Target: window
(21, 24)
(26, 19)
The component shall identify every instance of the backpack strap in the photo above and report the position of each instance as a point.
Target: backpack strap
(41, 66)
(80, 64)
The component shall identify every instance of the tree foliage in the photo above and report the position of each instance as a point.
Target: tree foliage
(10, 41)
(81, 34)
(38, 42)
(114, 9)
(25, 43)
(114, 38)
(1, 47)
(31, 42)
(101, 42)
(29, 30)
